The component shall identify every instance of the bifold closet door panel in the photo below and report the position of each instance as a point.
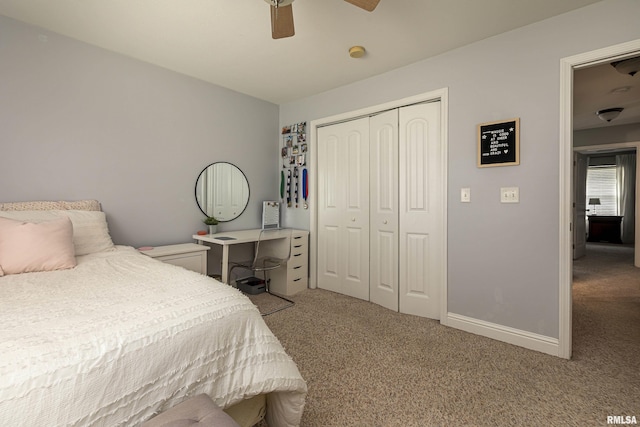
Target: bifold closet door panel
(343, 208)
(421, 246)
(384, 221)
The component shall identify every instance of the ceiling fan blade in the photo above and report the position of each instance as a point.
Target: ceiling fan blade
(367, 5)
(282, 21)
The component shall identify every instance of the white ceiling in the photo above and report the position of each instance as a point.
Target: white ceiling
(228, 42)
(600, 87)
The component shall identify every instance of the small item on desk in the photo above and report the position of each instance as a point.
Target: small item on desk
(145, 248)
(202, 233)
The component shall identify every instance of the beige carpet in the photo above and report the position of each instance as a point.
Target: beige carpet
(268, 303)
(368, 366)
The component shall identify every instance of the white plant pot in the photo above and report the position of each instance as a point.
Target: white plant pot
(213, 229)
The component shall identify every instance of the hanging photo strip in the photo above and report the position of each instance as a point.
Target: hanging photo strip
(293, 176)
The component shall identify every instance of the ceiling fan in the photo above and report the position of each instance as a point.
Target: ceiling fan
(282, 15)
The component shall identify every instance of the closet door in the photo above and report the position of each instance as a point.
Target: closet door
(383, 238)
(343, 208)
(421, 210)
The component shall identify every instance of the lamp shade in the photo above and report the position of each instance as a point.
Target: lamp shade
(594, 201)
(627, 66)
(609, 114)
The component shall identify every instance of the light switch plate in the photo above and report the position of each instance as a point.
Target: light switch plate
(510, 195)
(465, 195)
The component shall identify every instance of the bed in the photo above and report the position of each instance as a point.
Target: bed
(119, 337)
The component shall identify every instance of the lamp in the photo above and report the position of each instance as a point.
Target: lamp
(594, 201)
(609, 114)
(627, 66)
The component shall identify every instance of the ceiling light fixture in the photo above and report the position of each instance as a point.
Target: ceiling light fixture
(627, 66)
(609, 114)
(621, 89)
(356, 51)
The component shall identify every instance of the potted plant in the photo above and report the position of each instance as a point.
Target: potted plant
(212, 223)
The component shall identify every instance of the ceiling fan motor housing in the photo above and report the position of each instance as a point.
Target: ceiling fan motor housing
(279, 3)
(282, 17)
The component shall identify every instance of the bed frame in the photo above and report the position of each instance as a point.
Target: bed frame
(248, 412)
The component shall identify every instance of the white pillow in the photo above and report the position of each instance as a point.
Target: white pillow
(27, 247)
(90, 230)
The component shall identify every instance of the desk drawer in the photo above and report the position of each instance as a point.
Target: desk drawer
(299, 245)
(297, 279)
(297, 271)
(298, 260)
(297, 285)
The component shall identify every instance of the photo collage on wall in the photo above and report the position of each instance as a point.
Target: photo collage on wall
(294, 184)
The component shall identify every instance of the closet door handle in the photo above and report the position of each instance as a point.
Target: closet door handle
(353, 219)
(384, 222)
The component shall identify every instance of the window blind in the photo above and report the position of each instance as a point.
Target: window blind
(601, 183)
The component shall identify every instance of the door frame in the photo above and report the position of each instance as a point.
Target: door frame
(441, 95)
(567, 66)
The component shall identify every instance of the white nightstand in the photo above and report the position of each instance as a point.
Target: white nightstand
(188, 255)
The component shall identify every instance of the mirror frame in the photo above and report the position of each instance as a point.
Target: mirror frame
(245, 179)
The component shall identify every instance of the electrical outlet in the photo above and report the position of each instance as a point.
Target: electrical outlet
(510, 195)
(465, 195)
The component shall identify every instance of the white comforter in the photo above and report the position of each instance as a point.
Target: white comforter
(122, 336)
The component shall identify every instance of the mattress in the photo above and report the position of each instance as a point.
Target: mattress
(122, 336)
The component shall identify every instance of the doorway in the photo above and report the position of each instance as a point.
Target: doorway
(567, 67)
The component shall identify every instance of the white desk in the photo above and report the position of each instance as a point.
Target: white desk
(227, 239)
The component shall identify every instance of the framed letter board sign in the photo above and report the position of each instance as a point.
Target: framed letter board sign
(499, 143)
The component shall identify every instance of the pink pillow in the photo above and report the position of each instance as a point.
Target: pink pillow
(28, 247)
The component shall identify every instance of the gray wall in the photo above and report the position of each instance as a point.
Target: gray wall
(81, 122)
(606, 135)
(503, 258)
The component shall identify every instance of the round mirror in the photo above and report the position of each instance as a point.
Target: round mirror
(222, 191)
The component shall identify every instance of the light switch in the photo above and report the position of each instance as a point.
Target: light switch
(510, 195)
(465, 195)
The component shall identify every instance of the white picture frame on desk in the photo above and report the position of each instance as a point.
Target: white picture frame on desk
(270, 215)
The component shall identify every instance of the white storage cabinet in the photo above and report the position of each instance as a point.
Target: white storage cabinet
(187, 255)
(294, 276)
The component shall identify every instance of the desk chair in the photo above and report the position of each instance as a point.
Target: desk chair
(265, 263)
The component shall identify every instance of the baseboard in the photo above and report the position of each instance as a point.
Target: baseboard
(506, 334)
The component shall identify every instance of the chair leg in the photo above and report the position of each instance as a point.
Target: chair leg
(266, 287)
